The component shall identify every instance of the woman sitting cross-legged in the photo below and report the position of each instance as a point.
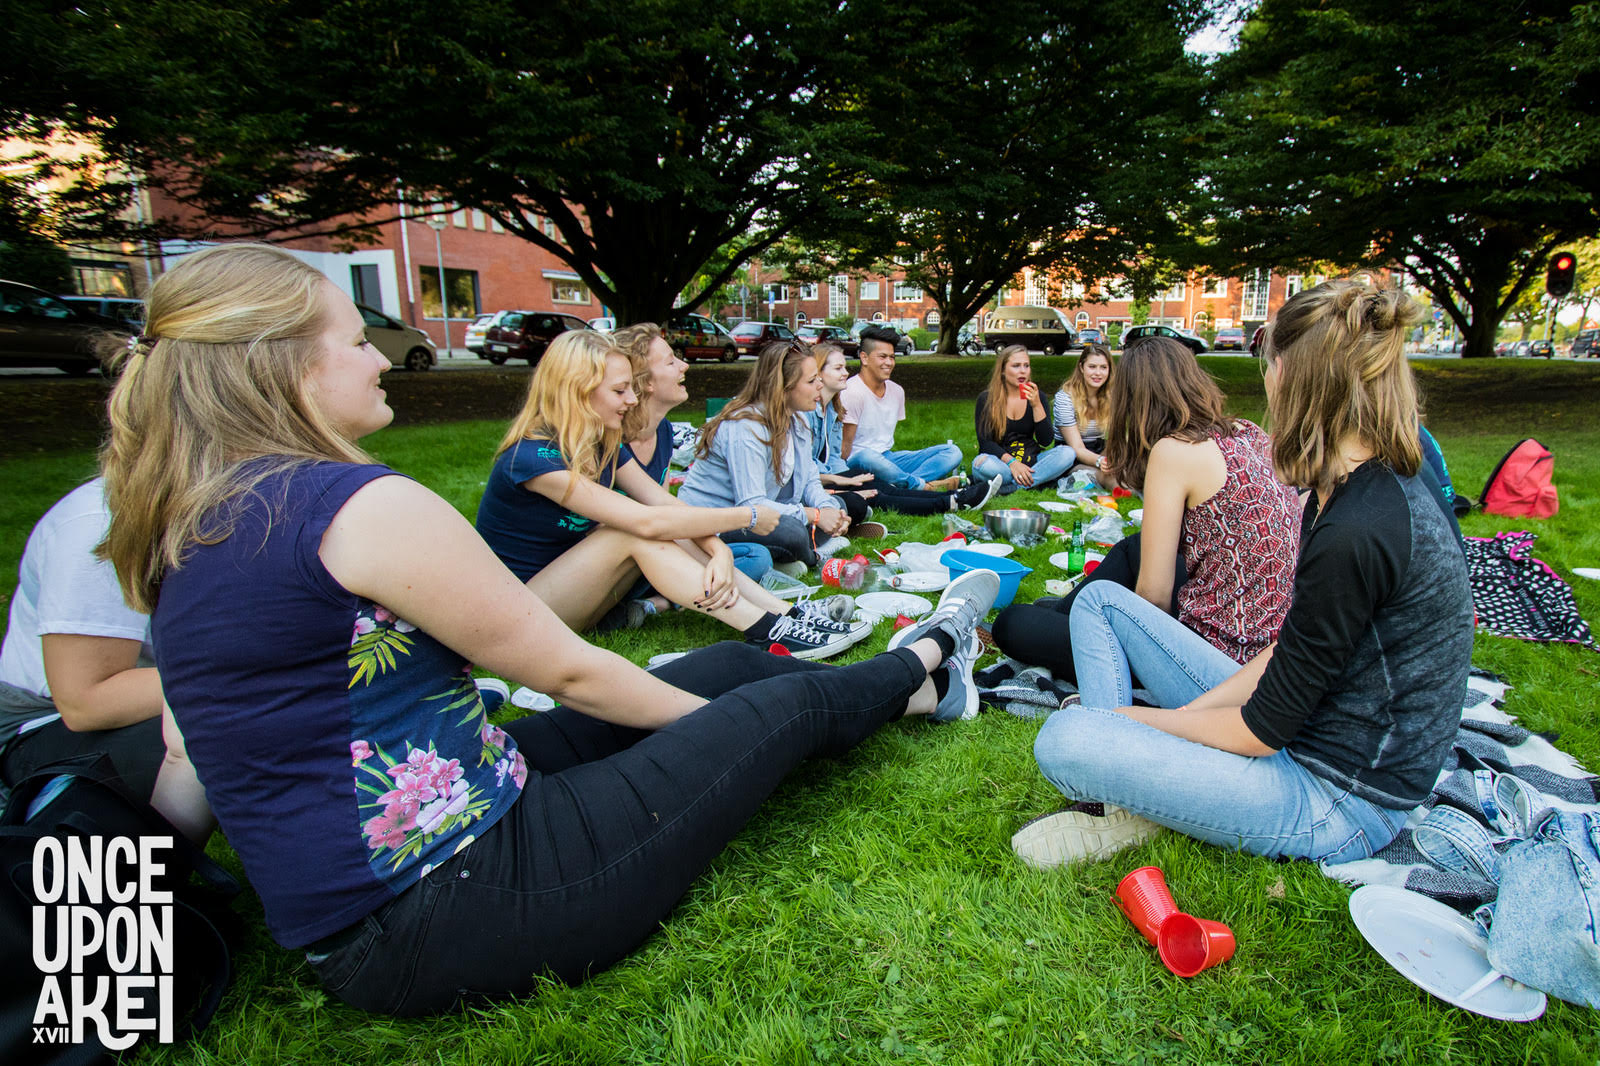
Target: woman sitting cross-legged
(1217, 549)
(1014, 430)
(1082, 406)
(1319, 745)
(549, 513)
(863, 493)
(417, 853)
(757, 452)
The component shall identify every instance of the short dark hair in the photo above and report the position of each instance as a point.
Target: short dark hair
(877, 331)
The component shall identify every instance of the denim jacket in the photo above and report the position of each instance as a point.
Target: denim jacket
(738, 471)
(827, 440)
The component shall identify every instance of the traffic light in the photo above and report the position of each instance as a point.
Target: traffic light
(1563, 266)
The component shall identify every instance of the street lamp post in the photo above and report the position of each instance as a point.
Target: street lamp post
(437, 224)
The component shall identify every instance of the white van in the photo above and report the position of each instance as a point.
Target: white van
(1039, 329)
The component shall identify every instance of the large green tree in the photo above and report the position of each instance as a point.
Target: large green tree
(656, 135)
(1456, 139)
(1055, 140)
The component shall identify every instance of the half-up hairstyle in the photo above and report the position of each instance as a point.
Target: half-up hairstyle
(823, 349)
(764, 399)
(1339, 349)
(634, 342)
(994, 412)
(1161, 392)
(217, 380)
(557, 407)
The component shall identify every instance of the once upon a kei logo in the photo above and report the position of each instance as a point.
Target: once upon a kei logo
(102, 939)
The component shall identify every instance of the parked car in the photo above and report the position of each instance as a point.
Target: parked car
(697, 337)
(1230, 339)
(1586, 345)
(1090, 335)
(750, 336)
(124, 309)
(1541, 350)
(812, 334)
(38, 329)
(1521, 348)
(1194, 343)
(603, 324)
(1039, 329)
(902, 347)
(479, 331)
(526, 334)
(405, 345)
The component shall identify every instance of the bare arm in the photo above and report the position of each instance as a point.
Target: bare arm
(613, 509)
(847, 439)
(1215, 718)
(96, 682)
(178, 794)
(1164, 495)
(1074, 440)
(462, 596)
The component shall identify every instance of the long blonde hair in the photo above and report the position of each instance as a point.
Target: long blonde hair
(1096, 407)
(634, 342)
(557, 407)
(216, 381)
(994, 411)
(764, 399)
(1342, 373)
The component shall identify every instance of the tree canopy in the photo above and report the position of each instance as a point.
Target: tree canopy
(1456, 139)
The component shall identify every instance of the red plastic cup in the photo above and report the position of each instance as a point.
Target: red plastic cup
(1188, 944)
(778, 649)
(1091, 566)
(1145, 899)
(903, 620)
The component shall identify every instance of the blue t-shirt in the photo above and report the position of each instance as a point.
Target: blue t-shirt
(345, 752)
(528, 530)
(657, 466)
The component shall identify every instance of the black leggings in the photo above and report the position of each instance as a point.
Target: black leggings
(612, 827)
(1042, 636)
(889, 498)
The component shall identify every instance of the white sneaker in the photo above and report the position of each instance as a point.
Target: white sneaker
(831, 547)
(1085, 830)
(794, 568)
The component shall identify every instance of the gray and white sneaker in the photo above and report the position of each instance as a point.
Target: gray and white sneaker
(965, 603)
(838, 608)
(1085, 830)
(960, 701)
(807, 637)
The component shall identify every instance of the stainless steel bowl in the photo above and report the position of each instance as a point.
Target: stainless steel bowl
(1014, 521)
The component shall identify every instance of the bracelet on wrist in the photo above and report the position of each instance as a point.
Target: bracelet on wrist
(755, 516)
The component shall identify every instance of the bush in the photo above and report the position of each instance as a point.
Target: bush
(923, 339)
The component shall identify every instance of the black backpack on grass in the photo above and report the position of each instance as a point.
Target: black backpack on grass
(73, 802)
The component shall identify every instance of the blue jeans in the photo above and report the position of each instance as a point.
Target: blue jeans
(1268, 805)
(1050, 464)
(906, 470)
(751, 560)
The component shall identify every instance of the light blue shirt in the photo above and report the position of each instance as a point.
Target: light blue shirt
(738, 471)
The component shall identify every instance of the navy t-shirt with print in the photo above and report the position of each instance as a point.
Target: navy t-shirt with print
(345, 752)
(657, 466)
(528, 530)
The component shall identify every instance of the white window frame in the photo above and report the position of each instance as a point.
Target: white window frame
(839, 295)
(1214, 287)
(808, 291)
(777, 292)
(572, 283)
(1036, 291)
(1254, 291)
(907, 293)
(1293, 284)
(870, 291)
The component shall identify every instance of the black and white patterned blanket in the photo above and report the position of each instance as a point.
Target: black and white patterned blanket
(1516, 595)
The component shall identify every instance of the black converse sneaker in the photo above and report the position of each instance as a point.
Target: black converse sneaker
(807, 637)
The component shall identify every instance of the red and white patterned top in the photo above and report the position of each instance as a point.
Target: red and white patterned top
(1240, 547)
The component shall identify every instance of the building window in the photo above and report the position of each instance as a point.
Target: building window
(99, 277)
(495, 226)
(1214, 287)
(1075, 290)
(1174, 293)
(1116, 288)
(869, 290)
(1081, 321)
(1036, 291)
(907, 293)
(462, 286)
(568, 291)
(549, 226)
(364, 284)
(1294, 284)
(458, 218)
(479, 219)
(1253, 296)
(808, 291)
(839, 296)
(777, 294)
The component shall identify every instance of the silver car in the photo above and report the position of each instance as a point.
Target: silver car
(480, 329)
(405, 345)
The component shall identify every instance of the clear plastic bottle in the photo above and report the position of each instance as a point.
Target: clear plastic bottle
(852, 574)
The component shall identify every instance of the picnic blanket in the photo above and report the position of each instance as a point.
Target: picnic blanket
(1489, 739)
(1516, 595)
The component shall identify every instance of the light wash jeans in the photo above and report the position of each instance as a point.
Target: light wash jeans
(906, 470)
(751, 560)
(1051, 464)
(1269, 805)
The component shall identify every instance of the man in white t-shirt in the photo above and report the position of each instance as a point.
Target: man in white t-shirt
(76, 672)
(872, 406)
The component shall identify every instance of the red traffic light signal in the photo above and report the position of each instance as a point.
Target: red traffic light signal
(1563, 268)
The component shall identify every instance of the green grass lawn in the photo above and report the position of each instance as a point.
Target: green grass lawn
(873, 912)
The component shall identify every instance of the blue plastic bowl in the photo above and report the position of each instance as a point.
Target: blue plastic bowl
(960, 560)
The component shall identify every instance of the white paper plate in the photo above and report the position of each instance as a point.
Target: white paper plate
(999, 551)
(1590, 572)
(923, 581)
(795, 592)
(1441, 952)
(1063, 559)
(889, 604)
(1053, 505)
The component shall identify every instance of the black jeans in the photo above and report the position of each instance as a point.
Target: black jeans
(789, 542)
(612, 827)
(900, 501)
(1042, 636)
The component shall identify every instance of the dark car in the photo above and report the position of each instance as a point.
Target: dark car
(1230, 339)
(1586, 345)
(124, 309)
(902, 347)
(1090, 335)
(526, 334)
(750, 336)
(1541, 350)
(38, 329)
(697, 337)
(1521, 348)
(833, 334)
(1183, 337)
